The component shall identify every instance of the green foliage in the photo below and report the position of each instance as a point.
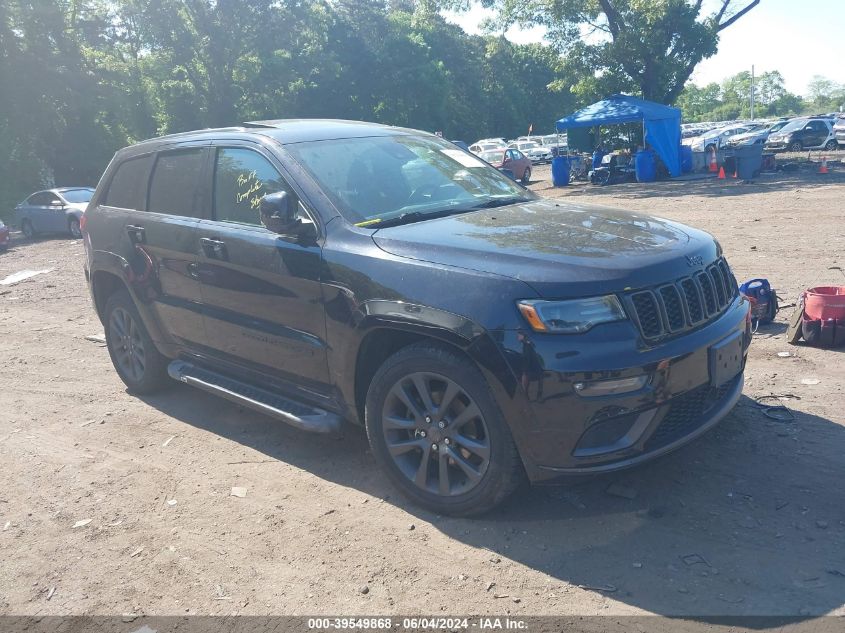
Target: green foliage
(81, 78)
(649, 47)
(732, 99)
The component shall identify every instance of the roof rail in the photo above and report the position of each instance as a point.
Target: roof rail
(261, 124)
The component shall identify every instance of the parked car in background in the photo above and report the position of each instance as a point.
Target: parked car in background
(462, 145)
(535, 152)
(839, 130)
(803, 133)
(756, 135)
(507, 159)
(715, 139)
(4, 236)
(53, 211)
(485, 146)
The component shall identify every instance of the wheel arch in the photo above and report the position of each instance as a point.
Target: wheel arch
(380, 338)
(103, 285)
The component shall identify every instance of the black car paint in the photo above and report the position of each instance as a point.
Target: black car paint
(313, 305)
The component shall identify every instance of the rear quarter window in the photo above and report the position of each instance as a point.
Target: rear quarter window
(128, 186)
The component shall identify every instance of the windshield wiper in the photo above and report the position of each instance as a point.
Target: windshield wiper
(498, 202)
(416, 216)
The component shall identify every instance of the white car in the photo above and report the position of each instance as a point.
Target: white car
(535, 152)
(480, 147)
(756, 135)
(715, 139)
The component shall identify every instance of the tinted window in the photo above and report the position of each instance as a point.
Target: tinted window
(816, 125)
(176, 178)
(78, 195)
(128, 186)
(42, 199)
(242, 178)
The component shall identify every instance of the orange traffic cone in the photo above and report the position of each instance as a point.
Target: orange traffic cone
(823, 166)
(714, 167)
(721, 173)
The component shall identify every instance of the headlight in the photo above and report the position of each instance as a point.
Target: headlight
(573, 316)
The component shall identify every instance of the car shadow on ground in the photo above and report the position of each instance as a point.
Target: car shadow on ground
(708, 186)
(747, 520)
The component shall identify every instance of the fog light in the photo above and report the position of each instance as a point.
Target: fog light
(610, 387)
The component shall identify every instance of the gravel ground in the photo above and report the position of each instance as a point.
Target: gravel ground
(114, 504)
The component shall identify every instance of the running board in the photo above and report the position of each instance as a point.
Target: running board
(301, 416)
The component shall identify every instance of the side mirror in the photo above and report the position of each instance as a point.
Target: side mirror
(279, 214)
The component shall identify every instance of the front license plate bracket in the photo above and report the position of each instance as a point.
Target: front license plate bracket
(725, 359)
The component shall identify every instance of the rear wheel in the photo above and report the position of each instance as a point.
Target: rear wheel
(437, 432)
(74, 228)
(134, 355)
(526, 176)
(831, 145)
(28, 230)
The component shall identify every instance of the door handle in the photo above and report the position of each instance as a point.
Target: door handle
(194, 270)
(213, 248)
(137, 235)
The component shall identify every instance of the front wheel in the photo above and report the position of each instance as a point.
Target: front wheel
(436, 430)
(795, 146)
(526, 176)
(138, 363)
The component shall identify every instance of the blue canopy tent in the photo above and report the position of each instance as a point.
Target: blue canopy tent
(661, 124)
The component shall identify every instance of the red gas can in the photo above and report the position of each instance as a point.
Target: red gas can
(825, 302)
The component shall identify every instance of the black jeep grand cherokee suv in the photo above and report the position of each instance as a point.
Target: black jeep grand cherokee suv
(321, 271)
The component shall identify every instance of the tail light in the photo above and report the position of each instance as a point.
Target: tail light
(83, 222)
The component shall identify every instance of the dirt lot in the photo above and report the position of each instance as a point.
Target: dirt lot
(748, 520)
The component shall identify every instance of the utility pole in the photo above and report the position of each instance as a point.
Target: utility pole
(752, 92)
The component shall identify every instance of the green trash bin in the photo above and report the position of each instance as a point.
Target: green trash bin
(749, 160)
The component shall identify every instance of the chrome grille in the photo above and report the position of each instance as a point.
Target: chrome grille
(684, 304)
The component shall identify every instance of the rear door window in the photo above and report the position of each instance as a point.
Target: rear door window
(242, 177)
(128, 187)
(175, 182)
(42, 199)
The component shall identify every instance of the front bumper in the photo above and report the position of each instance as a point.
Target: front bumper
(573, 434)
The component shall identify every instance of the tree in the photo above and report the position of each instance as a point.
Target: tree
(650, 45)
(824, 94)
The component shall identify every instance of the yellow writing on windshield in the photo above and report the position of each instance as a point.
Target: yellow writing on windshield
(248, 186)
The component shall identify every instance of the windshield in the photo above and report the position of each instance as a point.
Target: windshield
(777, 126)
(77, 195)
(493, 157)
(795, 124)
(375, 179)
(526, 146)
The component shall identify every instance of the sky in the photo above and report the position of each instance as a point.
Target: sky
(798, 38)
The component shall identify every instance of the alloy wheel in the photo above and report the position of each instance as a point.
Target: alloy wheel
(436, 434)
(128, 346)
(75, 229)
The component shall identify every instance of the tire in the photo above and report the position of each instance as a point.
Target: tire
(138, 363)
(414, 445)
(795, 146)
(710, 148)
(74, 228)
(831, 145)
(526, 176)
(28, 230)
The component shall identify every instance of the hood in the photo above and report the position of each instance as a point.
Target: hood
(560, 249)
(747, 135)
